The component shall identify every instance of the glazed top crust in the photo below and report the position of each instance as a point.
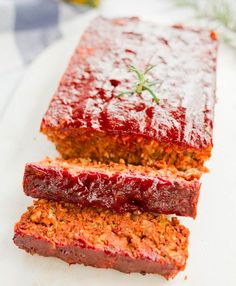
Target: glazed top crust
(185, 64)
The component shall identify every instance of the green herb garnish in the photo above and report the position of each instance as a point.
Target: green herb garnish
(142, 84)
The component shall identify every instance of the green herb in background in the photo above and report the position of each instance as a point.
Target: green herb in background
(142, 84)
(219, 15)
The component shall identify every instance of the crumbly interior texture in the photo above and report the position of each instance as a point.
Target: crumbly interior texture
(133, 149)
(134, 234)
(76, 165)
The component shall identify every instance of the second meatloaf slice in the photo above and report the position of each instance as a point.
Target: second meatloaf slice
(115, 186)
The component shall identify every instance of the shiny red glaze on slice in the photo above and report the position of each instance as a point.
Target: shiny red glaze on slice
(119, 190)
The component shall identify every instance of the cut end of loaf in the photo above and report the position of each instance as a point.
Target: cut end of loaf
(135, 150)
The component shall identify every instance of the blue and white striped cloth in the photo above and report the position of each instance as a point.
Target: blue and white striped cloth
(27, 27)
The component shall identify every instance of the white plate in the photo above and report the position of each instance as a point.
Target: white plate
(212, 258)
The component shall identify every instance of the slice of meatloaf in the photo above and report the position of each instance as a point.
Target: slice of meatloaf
(114, 186)
(138, 242)
(86, 117)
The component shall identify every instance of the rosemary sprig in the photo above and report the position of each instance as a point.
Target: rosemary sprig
(142, 84)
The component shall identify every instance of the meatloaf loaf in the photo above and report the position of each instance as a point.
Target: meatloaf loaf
(87, 117)
(114, 186)
(131, 242)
